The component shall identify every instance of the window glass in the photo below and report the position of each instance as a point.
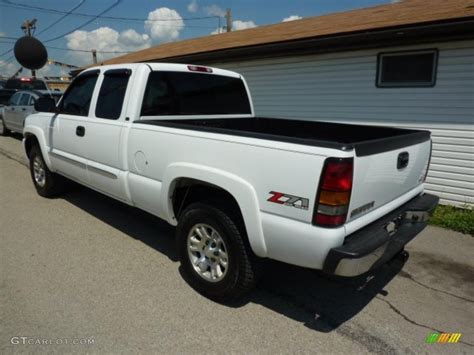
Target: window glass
(24, 100)
(77, 98)
(111, 95)
(407, 69)
(14, 99)
(182, 93)
(32, 100)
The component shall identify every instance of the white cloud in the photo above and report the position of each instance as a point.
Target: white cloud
(291, 18)
(236, 26)
(8, 69)
(193, 6)
(167, 30)
(242, 25)
(103, 39)
(215, 10)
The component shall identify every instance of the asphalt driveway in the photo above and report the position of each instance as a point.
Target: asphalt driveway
(84, 273)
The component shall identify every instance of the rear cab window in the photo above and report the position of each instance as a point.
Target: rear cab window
(185, 93)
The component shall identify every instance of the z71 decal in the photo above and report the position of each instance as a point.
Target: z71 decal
(289, 200)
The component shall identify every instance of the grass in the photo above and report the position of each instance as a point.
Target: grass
(457, 219)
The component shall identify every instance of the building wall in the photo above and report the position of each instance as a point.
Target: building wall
(341, 87)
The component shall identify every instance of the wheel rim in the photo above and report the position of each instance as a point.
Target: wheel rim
(207, 252)
(38, 171)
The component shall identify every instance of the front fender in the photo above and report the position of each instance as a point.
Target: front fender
(240, 189)
(40, 136)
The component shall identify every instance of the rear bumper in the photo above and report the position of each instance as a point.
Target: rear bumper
(380, 241)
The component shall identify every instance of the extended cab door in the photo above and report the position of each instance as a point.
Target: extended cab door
(68, 131)
(104, 131)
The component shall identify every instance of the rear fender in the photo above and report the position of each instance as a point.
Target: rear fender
(240, 189)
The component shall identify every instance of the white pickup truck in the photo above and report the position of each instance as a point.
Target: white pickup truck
(182, 142)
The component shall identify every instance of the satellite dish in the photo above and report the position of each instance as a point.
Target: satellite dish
(30, 53)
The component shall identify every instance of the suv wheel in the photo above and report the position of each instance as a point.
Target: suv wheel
(4, 131)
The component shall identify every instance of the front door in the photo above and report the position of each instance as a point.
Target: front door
(68, 128)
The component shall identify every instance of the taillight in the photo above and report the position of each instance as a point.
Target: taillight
(334, 192)
(199, 69)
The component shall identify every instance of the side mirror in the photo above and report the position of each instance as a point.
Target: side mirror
(45, 104)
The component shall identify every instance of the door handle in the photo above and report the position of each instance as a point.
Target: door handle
(80, 131)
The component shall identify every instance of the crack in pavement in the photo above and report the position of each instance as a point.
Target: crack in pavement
(409, 320)
(411, 278)
(8, 155)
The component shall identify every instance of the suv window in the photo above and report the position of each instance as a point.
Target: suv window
(183, 93)
(111, 94)
(24, 100)
(14, 99)
(77, 99)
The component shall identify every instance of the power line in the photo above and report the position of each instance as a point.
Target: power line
(62, 17)
(73, 50)
(8, 3)
(85, 23)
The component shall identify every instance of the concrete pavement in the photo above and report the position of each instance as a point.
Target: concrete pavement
(85, 268)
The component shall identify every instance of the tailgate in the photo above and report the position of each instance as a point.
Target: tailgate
(382, 177)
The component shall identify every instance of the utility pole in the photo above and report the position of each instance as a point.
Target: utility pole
(94, 56)
(27, 26)
(228, 17)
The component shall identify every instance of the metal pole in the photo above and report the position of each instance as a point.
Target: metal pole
(228, 17)
(94, 56)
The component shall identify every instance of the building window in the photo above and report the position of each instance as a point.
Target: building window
(407, 69)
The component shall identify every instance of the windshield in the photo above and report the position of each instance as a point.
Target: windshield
(25, 84)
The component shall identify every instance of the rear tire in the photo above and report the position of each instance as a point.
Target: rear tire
(215, 257)
(4, 131)
(47, 183)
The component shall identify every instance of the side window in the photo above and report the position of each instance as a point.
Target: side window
(32, 101)
(24, 100)
(14, 99)
(111, 94)
(77, 99)
(407, 69)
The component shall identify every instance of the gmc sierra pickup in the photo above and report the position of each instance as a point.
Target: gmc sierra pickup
(182, 142)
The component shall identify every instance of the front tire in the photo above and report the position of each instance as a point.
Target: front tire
(47, 183)
(215, 257)
(4, 131)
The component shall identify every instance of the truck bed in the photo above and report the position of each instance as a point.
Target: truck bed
(365, 140)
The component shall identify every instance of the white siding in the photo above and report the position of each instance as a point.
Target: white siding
(341, 87)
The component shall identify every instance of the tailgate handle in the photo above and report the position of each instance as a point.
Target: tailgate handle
(402, 160)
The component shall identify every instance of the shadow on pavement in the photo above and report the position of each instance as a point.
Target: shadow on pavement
(319, 301)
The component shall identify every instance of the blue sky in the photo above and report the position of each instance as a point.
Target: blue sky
(170, 21)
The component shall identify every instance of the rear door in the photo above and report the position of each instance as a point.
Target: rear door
(22, 111)
(104, 130)
(383, 177)
(69, 147)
